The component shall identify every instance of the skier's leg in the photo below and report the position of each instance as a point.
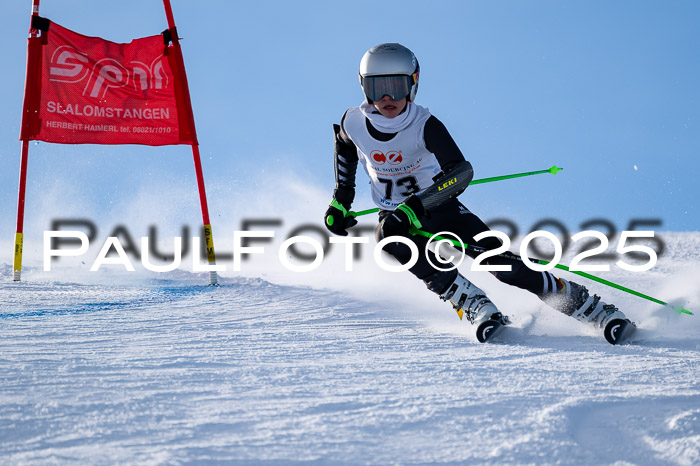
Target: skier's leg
(450, 285)
(574, 300)
(456, 218)
(402, 253)
(565, 296)
(467, 298)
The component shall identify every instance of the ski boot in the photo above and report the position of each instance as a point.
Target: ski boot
(470, 300)
(580, 305)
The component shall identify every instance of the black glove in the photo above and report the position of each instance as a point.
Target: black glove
(406, 215)
(337, 219)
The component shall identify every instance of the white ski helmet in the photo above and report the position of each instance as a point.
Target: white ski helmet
(389, 69)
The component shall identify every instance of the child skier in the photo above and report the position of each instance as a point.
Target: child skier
(416, 172)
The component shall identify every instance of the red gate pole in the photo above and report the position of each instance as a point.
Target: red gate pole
(19, 234)
(21, 196)
(182, 77)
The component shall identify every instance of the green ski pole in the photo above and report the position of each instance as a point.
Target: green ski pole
(553, 170)
(510, 255)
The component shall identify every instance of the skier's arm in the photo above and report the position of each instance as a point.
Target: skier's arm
(346, 161)
(456, 175)
(337, 219)
(449, 185)
(457, 172)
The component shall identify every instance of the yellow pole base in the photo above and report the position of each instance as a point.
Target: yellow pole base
(19, 240)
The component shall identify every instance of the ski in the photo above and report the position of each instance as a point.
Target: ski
(488, 329)
(618, 331)
(491, 328)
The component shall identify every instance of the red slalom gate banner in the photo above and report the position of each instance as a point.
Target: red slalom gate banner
(95, 91)
(88, 90)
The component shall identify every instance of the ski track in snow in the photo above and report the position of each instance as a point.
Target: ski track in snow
(172, 371)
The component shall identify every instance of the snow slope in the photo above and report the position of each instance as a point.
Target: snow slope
(125, 368)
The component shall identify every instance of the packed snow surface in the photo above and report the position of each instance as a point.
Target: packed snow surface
(165, 369)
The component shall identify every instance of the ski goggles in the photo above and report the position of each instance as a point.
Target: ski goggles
(396, 87)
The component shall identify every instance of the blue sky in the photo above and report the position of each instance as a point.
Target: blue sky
(596, 87)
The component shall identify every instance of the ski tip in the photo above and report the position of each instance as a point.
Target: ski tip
(554, 169)
(488, 330)
(618, 331)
